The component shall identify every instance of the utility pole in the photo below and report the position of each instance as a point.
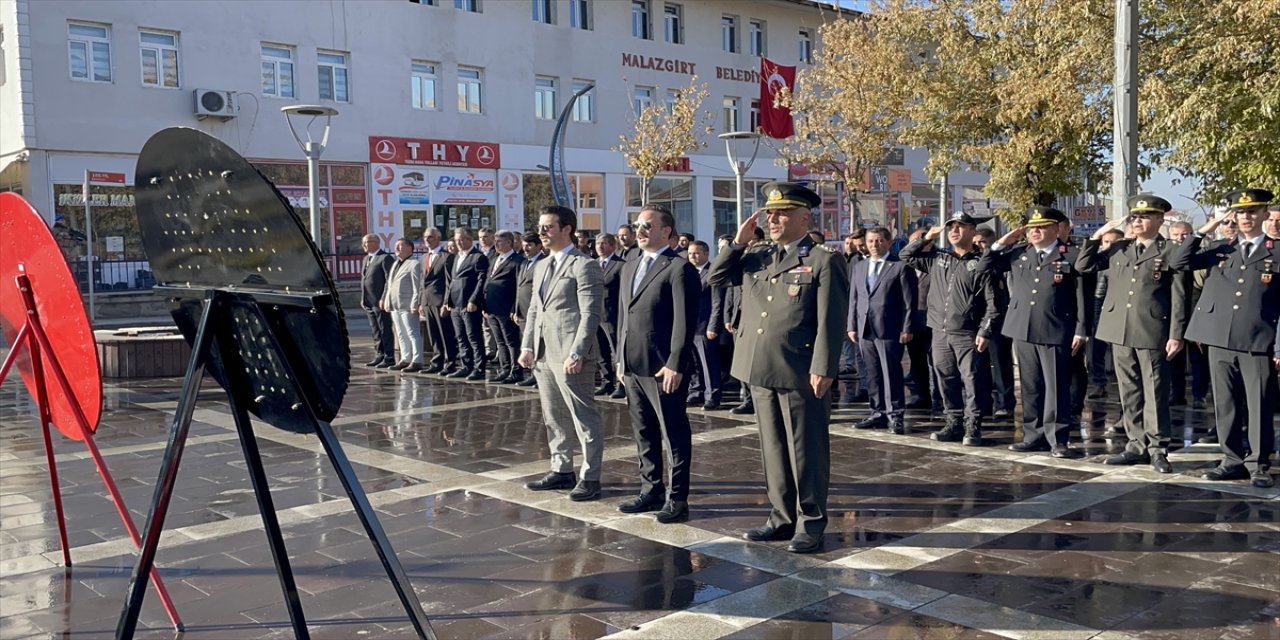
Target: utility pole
(1124, 152)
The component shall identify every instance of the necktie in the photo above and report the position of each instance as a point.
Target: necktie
(1141, 248)
(546, 282)
(874, 274)
(496, 263)
(640, 273)
(782, 254)
(1248, 250)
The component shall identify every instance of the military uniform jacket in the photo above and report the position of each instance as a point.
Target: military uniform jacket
(1145, 304)
(1240, 304)
(793, 312)
(961, 299)
(1046, 300)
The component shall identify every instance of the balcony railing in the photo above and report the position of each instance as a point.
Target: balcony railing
(111, 276)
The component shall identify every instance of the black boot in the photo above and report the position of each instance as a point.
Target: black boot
(972, 432)
(951, 431)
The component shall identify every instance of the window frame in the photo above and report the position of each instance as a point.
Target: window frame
(805, 45)
(757, 37)
(334, 67)
(464, 95)
(580, 13)
(470, 6)
(88, 42)
(638, 103)
(729, 34)
(275, 62)
(431, 77)
(725, 113)
(669, 35)
(159, 50)
(585, 104)
(645, 17)
(542, 87)
(543, 11)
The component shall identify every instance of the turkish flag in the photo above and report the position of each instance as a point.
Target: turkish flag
(775, 121)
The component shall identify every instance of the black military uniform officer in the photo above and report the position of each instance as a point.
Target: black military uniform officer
(1046, 321)
(794, 297)
(964, 309)
(1236, 318)
(1143, 317)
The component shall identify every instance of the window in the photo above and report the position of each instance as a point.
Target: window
(640, 19)
(334, 82)
(641, 99)
(544, 98)
(424, 84)
(580, 14)
(583, 108)
(724, 202)
(426, 2)
(755, 116)
(542, 11)
(729, 33)
(806, 46)
(467, 5)
(469, 94)
(672, 96)
(277, 71)
(89, 51)
(159, 59)
(675, 192)
(730, 116)
(672, 23)
(755, 38)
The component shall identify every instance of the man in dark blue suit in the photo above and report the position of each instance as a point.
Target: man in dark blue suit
(463, 305)
(499, 302)
(705, 338)
(611, 265)
(882, 300)
(373, 283)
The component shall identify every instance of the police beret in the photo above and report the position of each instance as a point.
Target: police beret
(1247, 198)
(788, 195)
(1147, 203)
(1039, 216)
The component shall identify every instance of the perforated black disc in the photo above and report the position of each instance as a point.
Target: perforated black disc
(209, 220)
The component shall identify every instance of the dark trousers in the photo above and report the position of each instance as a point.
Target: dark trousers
(707, 359)
(1192, 359)
(1079, 387)
(1244, 404)
(380, 322)
(959, 368)
(468, 327)
(658, 417)
(921, 380)
(883, 375)
(506, 340)
(1143, 378)
(1097, 353)
(796, 450)
(606, 335)
(1044, 371)
(1000, 354)
(440, 337)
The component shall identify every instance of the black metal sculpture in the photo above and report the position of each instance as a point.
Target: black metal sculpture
(248, 290)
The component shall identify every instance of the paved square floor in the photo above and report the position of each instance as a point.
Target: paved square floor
(926, 540)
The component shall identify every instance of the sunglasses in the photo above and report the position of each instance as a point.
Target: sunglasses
(642, 225)
(548, 227)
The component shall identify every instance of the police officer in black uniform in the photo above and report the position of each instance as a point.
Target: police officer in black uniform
(964, 309)
(1236, 317)
(1144, 315)
(1046, 321)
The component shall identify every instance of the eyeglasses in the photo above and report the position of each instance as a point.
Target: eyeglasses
(642, 225)
(548, 227)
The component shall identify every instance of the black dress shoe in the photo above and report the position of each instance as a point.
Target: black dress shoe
(618, 393)
(1025, 447)
(1262, 479)
(874, 422)
(769, 533)
(805, 543)
(552, 481)
(896, 427)
(694, 401)
(528, 382)
(398, 366)
(1211, 438)
(744, 409)
(1065, 452)
(476, 376)
(413, 368)
(643, 503)
(586, 490)
(459, 373)
(604, 390)
(374, 362)
(1160, 462)
(385, 364)
(674, 511)
(435, 368)
(711, 406)
(1129, 457)
(1226, 473)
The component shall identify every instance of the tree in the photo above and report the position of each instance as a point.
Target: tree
(662, 136)
(843, 108)
(1209, 103)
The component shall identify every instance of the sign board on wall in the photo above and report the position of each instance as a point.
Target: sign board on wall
(452, 186)
(511, 200)
(434, 153)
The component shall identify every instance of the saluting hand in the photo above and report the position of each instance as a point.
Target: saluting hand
(1012, 237)
(1223, 216)
(670, 379)
(933, 233)
(747, 232)
(1114, 223)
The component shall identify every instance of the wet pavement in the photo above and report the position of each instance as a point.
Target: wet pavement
(926, 540)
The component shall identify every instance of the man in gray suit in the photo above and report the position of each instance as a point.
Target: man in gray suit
(1237, 317)
(401, 300)
(1143, 317)
(794, 299)
(560, 337)
(373, 283)
(882, 301)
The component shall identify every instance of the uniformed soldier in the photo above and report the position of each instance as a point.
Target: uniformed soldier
(1143, 318)
(1236, 318)
(1046, 321)
(794, 297)
(964, 311)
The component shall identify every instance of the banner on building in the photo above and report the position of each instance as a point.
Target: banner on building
(511, 200)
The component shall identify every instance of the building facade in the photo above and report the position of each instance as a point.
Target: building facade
(446, 108)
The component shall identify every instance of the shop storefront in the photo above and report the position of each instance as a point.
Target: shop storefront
(344, 207)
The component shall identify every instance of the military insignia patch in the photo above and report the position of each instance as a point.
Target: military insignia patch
(793, 290)
(804, 251)
(1057, 278)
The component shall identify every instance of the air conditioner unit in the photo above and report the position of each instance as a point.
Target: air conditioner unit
(215, 103)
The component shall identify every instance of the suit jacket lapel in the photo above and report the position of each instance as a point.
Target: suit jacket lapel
(1261, 253)
(659, 264)
(885, 272)
(1153, 251)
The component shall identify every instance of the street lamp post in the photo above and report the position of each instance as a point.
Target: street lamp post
(739, 167)
(312, 150)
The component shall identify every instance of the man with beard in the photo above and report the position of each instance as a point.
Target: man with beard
(627, 248)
